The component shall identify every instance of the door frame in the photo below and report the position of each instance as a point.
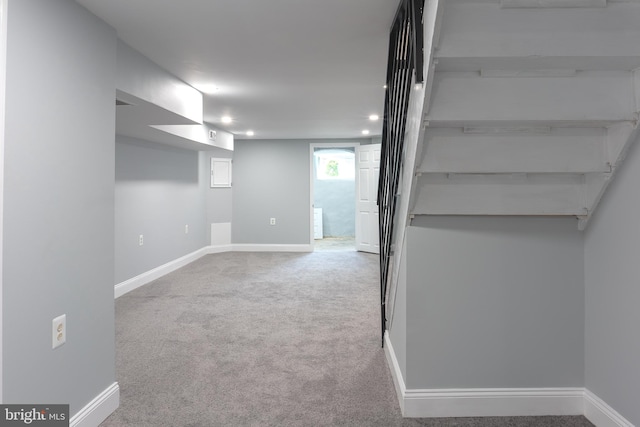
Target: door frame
(312, 148)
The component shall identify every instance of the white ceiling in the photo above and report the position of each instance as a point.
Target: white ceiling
(284, 68)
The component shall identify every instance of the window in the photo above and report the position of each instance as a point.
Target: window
(335, 164)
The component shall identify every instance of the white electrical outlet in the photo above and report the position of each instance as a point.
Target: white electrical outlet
(59, 331)
(272, 221)
(186, 229)
(141, 240)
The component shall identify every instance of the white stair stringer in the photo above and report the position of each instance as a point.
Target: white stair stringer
(619, 140)
(418, 106)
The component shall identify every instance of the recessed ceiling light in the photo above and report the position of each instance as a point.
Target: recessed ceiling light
(250, 133)
(226, 119)
(373, 117)
(365, 132)
(385, 86)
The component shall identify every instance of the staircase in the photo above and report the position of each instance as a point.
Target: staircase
(528, 108)
(533, 106)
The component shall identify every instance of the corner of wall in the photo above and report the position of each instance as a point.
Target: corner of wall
(3, 68)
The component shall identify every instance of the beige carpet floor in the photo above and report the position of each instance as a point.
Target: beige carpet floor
(264, 339)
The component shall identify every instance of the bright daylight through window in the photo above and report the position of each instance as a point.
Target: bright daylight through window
(335, 164)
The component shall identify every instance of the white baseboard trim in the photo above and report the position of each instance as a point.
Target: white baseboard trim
(396, 372)
(271, 248)
(432, 403)
(601, 414)
(98, 409)
(151, 275)
(493, 402)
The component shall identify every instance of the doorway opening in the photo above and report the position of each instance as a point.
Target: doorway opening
(333, 195)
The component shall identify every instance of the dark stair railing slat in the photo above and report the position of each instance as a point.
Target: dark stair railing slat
(405, 57)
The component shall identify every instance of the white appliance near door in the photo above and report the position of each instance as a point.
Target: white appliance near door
(368, 171)
(317, 223)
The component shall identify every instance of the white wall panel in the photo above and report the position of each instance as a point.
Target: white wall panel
(587, 97)
(560, 150)
(500, 195)
(481, 29)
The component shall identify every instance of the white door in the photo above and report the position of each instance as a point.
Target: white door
(368, 170)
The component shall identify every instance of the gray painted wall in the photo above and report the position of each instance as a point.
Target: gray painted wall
(158, 190)
(139, 76)
(271, 180)
(612, 272)
(58, 201)
(494, 302)
(337, 200)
